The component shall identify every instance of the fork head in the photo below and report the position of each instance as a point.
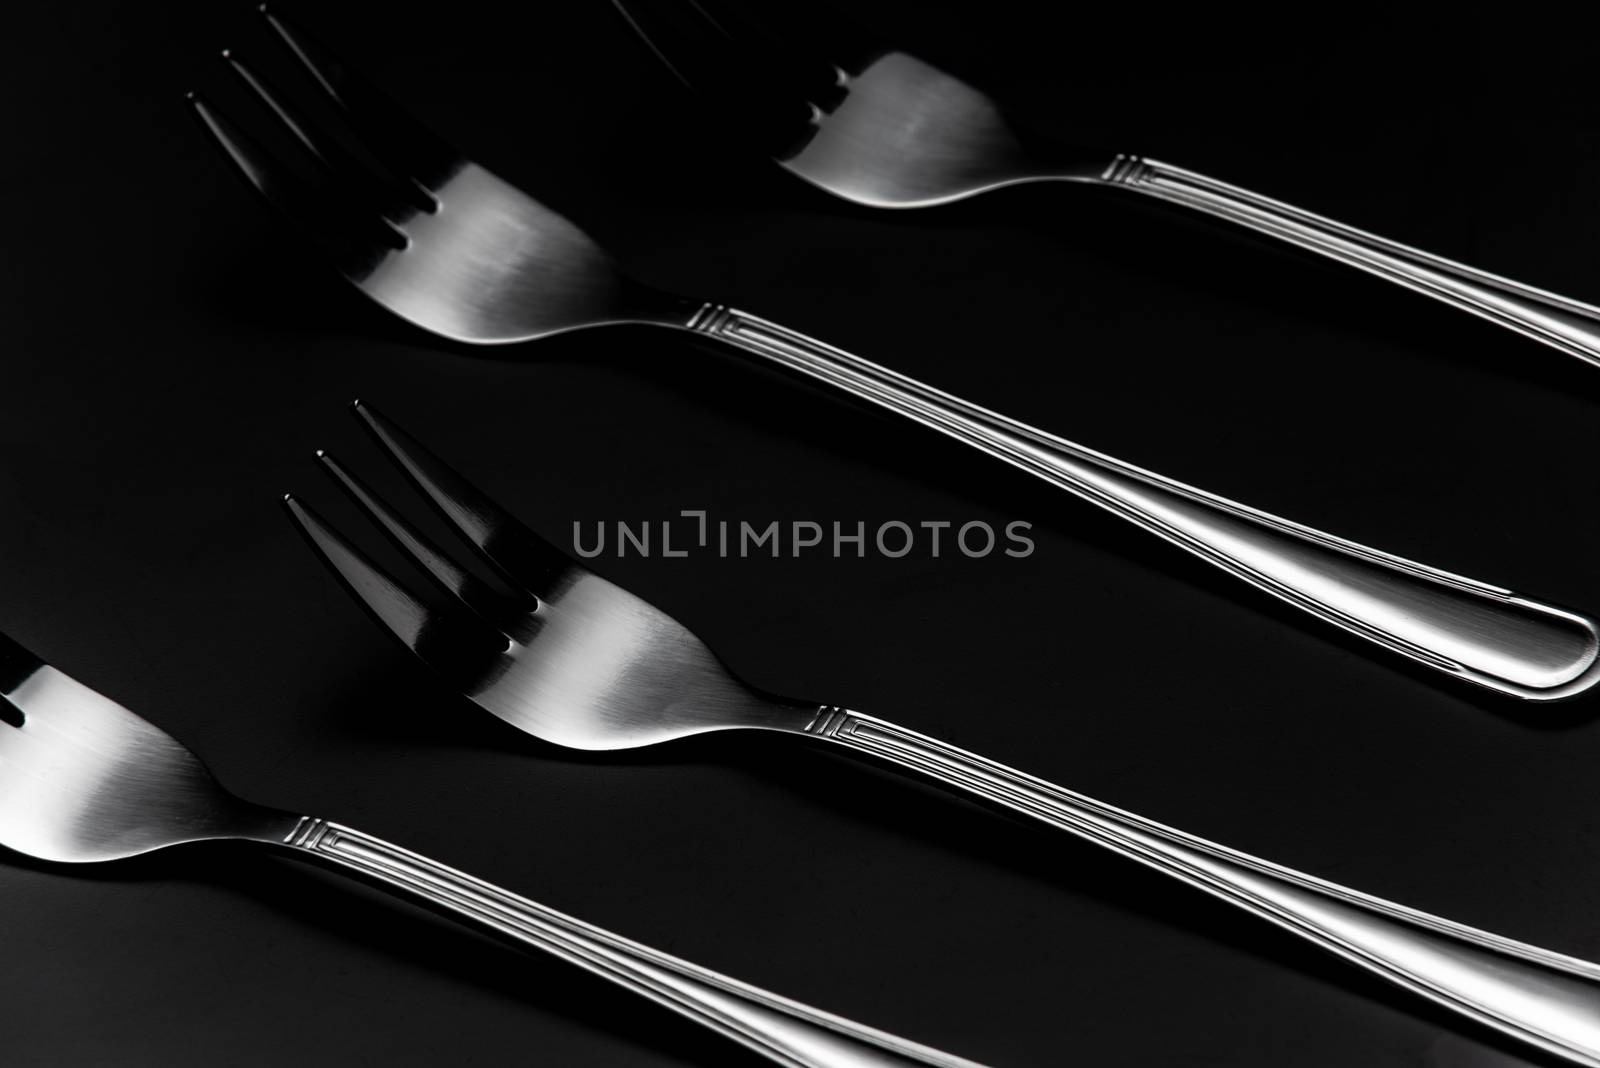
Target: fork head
(421, 229)
(84, 779)
(849, 114)
(533, 637)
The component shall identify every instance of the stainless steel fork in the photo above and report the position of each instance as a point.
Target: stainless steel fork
(873, 125)
(443, 243)
(83, 779)
(564, 655)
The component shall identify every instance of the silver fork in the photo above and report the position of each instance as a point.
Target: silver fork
(83, 779)
(443, 243)
(876, 126)
(564, 655)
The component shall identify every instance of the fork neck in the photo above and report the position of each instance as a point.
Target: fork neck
(657, 307)
(257, 823)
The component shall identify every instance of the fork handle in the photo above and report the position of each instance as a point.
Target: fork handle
(1560, 322)
(784, 1031)
(1545, 998)
(1481, 633)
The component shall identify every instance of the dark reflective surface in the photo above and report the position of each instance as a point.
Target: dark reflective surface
(151, 432)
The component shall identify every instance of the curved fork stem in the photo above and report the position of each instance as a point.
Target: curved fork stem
(1481, 633)
(783, 1031)
(1544, 998)
(1560, 322)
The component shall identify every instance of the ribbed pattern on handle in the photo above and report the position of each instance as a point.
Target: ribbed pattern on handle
(1547, 999)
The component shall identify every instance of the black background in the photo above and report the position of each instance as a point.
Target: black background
(172, 357)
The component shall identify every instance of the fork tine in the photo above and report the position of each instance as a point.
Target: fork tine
(763, 90)
(485, 601)
(821, 33)
(394, 136)
(458, 646)
(16, 664)
(366, 179)
(518, 554)
(357, 239)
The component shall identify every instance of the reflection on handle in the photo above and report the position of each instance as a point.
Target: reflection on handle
(1560, 322)
(782, 1030)
(1481, 633)
(1547, 999)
